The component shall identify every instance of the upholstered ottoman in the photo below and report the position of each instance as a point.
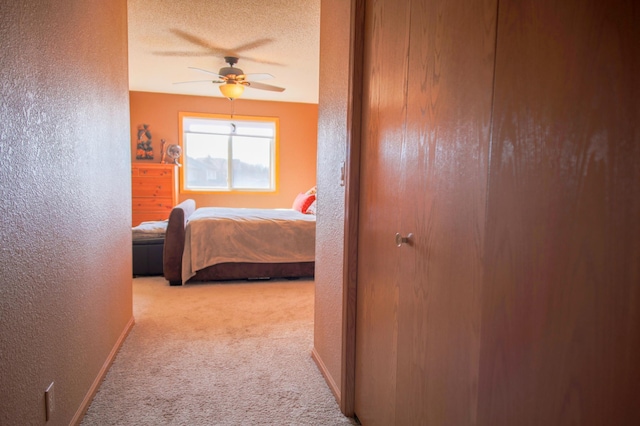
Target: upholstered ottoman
(148, 245)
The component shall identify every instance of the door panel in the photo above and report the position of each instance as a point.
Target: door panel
(444, 171)
(561, 317)
(427, 103)
(555, 280)
(379, 268)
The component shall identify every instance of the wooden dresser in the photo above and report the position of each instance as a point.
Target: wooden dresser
(154, 190)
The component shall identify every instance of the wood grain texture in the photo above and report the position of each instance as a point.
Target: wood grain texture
(384, 102)
(352, 208)
(154, 191)
(428, 84)
(445, 151)
(561, 302)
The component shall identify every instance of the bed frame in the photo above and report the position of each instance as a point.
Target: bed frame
(174, 246)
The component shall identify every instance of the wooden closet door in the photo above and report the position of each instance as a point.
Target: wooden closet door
(445, 156)
(561, 301)
(426, 115)
(379, 268)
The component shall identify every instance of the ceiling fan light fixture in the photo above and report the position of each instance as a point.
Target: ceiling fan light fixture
(231, 90)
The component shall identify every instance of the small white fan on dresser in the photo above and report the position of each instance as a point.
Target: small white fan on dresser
(171, 155)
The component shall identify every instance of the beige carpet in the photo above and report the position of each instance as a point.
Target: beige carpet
(217, 354)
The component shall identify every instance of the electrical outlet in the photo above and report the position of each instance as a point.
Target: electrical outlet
(49, 401)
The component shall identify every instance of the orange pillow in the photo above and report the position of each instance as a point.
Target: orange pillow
(303, 201)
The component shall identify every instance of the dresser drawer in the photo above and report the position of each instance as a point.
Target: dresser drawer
(152, 172)
(154, 191)
(151, 204)
(145, 187)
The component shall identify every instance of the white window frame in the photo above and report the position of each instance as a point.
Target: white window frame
(186, 121)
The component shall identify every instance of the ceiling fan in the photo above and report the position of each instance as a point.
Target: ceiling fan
(233, 80)
(206, 48)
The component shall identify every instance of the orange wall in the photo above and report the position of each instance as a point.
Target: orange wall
(297, 148)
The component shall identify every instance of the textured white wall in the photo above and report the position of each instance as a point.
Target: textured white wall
(332, 140)
(65, 240)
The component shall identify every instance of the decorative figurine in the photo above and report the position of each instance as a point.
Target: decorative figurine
(162, 142)
(144, 150)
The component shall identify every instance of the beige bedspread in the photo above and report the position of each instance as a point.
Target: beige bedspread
(217, 235)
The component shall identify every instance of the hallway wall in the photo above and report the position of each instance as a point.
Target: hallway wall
(333, 121)
(65, 236)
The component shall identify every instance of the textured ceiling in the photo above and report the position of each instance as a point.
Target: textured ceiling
(277, 37)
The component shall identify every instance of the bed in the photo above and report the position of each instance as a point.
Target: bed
(215, 243)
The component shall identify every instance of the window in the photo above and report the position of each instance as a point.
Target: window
(228, 154)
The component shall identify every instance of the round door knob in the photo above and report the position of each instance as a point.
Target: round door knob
(400, 240)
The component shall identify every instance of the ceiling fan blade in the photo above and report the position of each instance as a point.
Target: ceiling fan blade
(257, 76)
(208, 72)
(199, 81)
(215, 50)
(198, 41)
(252, 45)
(185, 54)
(263, 86)
(261, 61)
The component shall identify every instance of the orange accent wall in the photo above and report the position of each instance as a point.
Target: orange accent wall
(297, 148)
